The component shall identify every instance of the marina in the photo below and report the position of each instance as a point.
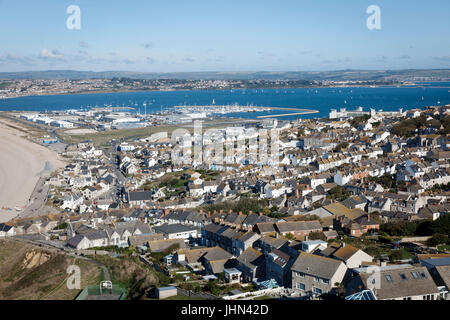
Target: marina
(250, 105)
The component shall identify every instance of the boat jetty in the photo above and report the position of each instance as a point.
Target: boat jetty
(220, 109)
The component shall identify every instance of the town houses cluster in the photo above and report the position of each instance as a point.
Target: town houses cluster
(334, 179)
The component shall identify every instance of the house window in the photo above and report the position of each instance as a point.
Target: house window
(300, 286)
(317, 290)
(300, 274)
(388, 278)
(422, 274)
(403, 276)
(316, 279)
(415, 275)
(326, 281)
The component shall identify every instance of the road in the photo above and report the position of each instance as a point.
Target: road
(37, 199)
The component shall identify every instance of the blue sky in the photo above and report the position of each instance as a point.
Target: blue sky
(227, 35)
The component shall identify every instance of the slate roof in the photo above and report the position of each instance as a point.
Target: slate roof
(318, 266)
(218, 254)
(279, 257)
(73, 242)
(296, 226)
(274, 242)
(133, 226)
(399, 287)
(345, 253)
(248, 235)
(266, 227)
(195, 255)
(173, 228)
(444, 273)
(254, 218)
(212, 227)
(140, 195)
(251, 258)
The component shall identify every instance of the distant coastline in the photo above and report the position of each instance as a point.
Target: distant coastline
(227, 89)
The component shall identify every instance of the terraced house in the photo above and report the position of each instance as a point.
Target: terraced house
(313, 274)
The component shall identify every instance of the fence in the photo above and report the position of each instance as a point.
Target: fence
(254, 294)
(93, 252)
(199, 295)
(414, 239)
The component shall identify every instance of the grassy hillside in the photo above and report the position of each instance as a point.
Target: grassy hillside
(28, 272)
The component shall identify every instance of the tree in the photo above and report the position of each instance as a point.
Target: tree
(338, 193)
(339, 147)
(355, 122)
(290, 236)
(437, 239)
(213, 287)
(441, 225)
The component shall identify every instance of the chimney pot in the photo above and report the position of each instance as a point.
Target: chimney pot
(250, 212)
(240, 212)
(260, 214)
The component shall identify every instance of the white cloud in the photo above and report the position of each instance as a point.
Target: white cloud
(54, 54)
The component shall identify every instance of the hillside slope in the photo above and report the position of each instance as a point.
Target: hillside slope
(28, 272)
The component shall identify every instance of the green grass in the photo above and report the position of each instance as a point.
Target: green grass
(444, 247)
(101, 138)
(5, 85)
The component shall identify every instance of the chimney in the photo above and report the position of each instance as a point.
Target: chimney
(209, 213)
(166, 212)
(231, 211)
(220, 211)
(343, 245)
(240, 212)
(260, 214)
(201, 211)
(297, 193)
(215, 211)
(250, 212)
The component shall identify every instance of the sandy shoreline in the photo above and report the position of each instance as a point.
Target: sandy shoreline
(21, 164)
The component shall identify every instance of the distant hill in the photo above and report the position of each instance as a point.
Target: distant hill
(339, 75)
